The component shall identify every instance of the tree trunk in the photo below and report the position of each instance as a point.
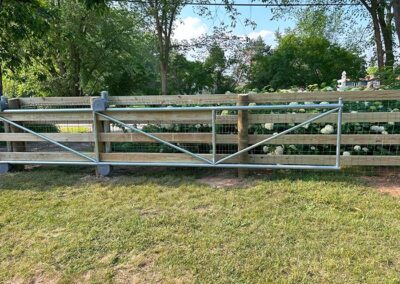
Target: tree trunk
(1, 81)
(75, 88)
(164, 77)
(378, 41)
(386, 29)
(372, 10)
(396, 15)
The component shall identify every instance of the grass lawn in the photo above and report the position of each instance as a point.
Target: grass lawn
(63, 225)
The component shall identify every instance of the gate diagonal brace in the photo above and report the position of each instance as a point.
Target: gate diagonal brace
(156, 138)
(47, 139)
(339, 121)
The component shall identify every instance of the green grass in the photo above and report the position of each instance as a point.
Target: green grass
(65, 226)
(73, 129)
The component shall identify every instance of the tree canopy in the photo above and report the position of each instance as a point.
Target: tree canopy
(80, 47)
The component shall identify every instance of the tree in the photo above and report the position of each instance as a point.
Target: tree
(380, 15)
(21, 22)
(86, 50)
(396, 17)
(217, 65)
(188, 77)
(303, 60)
(162, 15)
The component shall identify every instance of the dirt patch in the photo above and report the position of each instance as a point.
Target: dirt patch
(387, 183)
(39, 278)
(224, 180)
(139, 271)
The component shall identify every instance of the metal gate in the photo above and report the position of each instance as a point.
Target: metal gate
(101, 110)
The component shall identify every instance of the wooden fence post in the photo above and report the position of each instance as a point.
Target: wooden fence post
(98, 126)
(15, 146)
(243, 133)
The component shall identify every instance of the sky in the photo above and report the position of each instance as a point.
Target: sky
(191, 25)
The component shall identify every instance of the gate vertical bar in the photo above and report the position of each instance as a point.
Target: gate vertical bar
(339, 132)
(214, 135)
(243, 133)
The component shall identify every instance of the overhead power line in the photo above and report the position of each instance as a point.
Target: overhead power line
(258, 4)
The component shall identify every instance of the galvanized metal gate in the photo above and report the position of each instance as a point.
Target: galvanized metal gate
(100, 109)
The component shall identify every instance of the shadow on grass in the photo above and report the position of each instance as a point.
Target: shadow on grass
(50, 178)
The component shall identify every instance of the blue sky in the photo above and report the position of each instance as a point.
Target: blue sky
(192, 25)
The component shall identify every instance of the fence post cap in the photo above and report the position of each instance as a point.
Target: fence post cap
(3, 103)
(104, 94)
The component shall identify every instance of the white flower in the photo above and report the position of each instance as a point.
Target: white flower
(293, 147)
(279, 150)
(346, 154)
(357, 148)
(167, 126)
(265, 149)
(275, 133)
(385, 133)
(308, 103)
(305, 126)
(323, 103)
(293, 103)
(177, 128)
(302, 110)
(269, 126)
(252, 104)
(354, 111)
(313, 148)
(395, 110)
(197, 126)
(391, 122)
(365, 149)
(378, 129)
(366, 104)
(328, 129)
(225, 112)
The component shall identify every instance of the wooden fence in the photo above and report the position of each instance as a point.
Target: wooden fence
(16, 140)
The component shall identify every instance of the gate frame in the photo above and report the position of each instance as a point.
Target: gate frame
(100, 105)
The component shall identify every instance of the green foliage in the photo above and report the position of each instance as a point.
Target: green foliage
(85, 52)
(188, 77)
(216, 65)
(43, 128)
(390, 77)
(304, 60)
(372, 70)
